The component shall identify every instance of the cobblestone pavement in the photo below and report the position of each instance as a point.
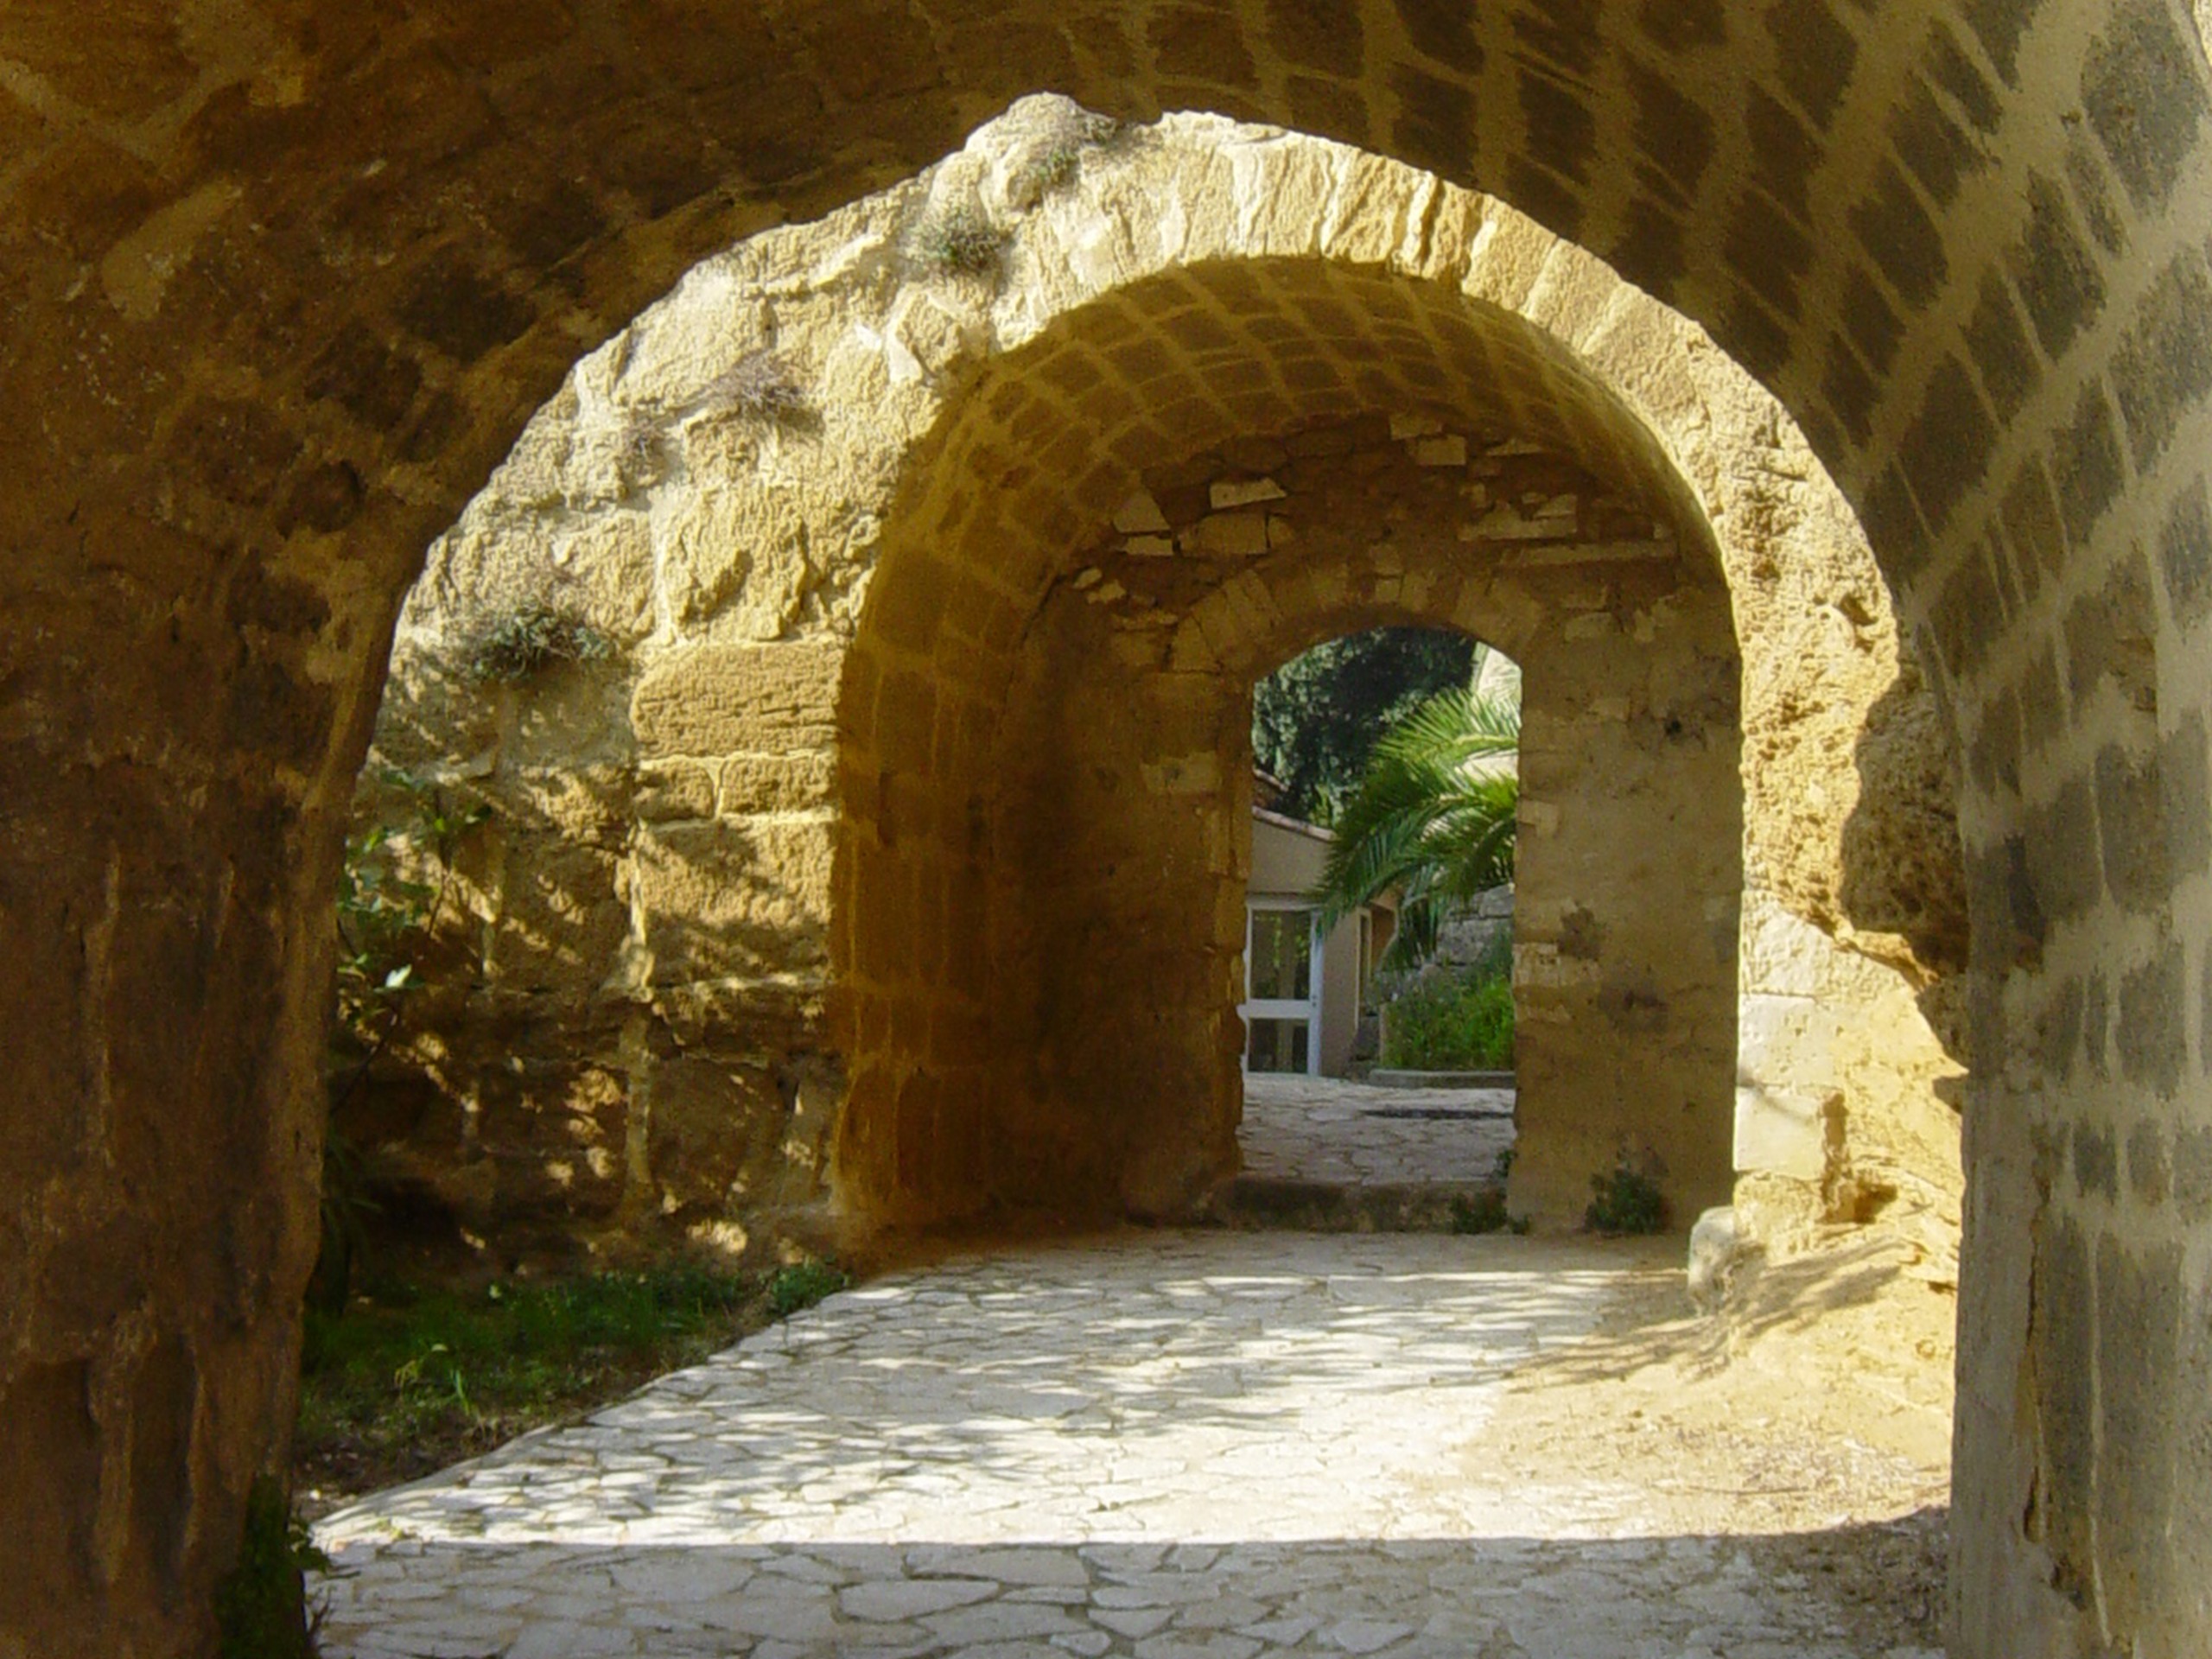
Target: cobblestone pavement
(1347, 1134)
(1195, 1446)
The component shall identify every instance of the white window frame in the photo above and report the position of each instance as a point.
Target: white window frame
(1286, 1008)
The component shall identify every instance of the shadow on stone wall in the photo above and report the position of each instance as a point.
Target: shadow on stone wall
(1903, 892)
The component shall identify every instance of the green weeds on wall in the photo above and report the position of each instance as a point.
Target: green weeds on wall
(530, 640)
(261, 1608)
(1627, 1202)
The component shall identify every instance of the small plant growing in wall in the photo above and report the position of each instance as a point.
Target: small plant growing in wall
(760, 386)
(1051, 168)
(385, 918)
(530, 639)
(1627, 1202)
(385, 914)
(960, 242)
(1060, 155)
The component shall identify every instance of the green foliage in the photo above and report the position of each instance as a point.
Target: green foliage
(803, 1284)
(1316, 719)
(1444, 1023)
(1628, 1201)
(531, 639)
(1484, 1213)
(404, 1382)
(1432, 817)
(261, 1608)
(386, 913)
(385, 917)
(960, 241)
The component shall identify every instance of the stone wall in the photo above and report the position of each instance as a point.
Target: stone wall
(711, 903)
(1479, 932)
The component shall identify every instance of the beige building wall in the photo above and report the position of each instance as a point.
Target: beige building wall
(1287, 862)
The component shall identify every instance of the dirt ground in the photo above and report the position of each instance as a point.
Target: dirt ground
(1809, 1418)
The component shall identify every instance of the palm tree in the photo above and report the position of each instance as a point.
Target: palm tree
(1433, 817)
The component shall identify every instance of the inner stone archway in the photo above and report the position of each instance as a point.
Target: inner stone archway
(1108, 832)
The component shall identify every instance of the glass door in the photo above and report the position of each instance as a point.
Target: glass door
(1282, 988)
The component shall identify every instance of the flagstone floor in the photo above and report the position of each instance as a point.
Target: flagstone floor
(1168, 1445)
(1330, 1130)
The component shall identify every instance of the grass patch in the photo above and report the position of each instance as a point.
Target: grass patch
(802, 1285)
(1448, 1024)
(406, 1381)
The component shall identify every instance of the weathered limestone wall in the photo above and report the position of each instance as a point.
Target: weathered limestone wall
(531, 1093)
(729, 553)
(1123, 839)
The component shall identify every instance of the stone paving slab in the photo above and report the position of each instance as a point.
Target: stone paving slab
(1335, 1132)
(1207, 1445)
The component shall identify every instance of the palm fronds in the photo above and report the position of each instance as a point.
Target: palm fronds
(1432, 817)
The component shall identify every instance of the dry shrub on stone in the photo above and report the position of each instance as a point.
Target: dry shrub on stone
(759, 386)
(530, 639)
(1058, 156)
(961, 242)
(639, 456)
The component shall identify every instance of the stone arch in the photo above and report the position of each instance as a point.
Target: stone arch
(977, 431)
(1112, 805)
(1355, 285)
(235, 457)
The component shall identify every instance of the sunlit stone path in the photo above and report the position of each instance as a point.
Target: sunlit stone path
(1329, 1129)
(1162, 1445)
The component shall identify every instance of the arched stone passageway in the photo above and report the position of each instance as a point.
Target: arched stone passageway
(1106, 825)
(282, 290)
(1145, 342)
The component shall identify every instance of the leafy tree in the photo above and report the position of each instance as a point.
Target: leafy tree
(1316, 719)
(1433, 817)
